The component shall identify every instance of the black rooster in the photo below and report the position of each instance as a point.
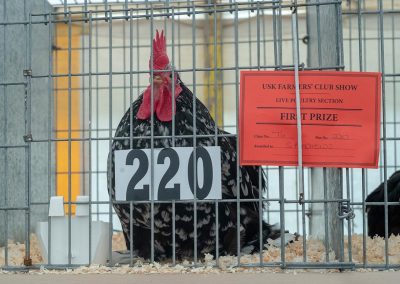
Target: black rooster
(376, 213)
(162, 214)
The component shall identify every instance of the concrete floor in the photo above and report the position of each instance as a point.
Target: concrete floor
(243, 278)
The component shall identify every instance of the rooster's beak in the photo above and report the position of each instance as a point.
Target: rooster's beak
(157, 80)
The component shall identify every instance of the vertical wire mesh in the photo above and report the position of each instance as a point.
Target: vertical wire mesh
(5, 141)
(250, 35)
(50, 129)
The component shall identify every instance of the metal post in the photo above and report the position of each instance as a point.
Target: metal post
(20, 96)
(325, 41)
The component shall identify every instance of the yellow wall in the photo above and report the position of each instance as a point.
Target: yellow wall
(213, 92)
(62, 112)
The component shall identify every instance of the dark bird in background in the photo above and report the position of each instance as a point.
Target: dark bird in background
(249, 181)
(376, 213)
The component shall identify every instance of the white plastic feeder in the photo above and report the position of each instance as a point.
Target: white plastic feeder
(79, 235)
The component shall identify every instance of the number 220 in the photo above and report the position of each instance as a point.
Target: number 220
(164, 192)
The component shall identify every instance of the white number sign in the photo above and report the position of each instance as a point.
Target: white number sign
(173, 173)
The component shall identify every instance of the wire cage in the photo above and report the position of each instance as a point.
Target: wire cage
(71, 70)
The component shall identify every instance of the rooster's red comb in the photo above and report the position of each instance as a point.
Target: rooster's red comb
(161, 59)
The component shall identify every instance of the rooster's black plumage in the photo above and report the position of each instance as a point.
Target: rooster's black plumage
(249, 180)
(376, 213)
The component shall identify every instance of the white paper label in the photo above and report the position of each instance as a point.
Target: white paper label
(173, 172)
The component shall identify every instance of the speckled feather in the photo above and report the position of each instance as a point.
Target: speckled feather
(206, 224)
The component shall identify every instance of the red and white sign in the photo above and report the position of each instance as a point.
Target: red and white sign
(340, 115)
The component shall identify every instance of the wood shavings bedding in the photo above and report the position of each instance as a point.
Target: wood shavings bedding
(375, 254)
